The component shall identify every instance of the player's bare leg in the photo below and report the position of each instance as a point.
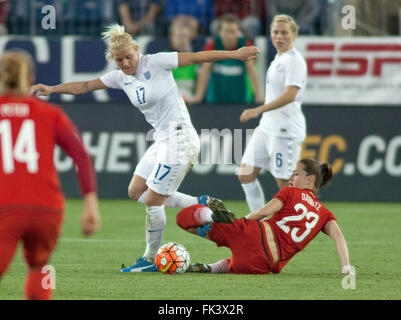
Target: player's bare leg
(281, 183)
(247, 173)
(137, 187)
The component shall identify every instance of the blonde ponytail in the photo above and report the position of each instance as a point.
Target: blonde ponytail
(16, 72)
(117, 39)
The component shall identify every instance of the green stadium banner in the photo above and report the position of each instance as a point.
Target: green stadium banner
(362, 143)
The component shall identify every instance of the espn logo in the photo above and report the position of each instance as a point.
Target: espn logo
(352, 60)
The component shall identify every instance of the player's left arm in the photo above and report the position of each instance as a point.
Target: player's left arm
(333, 231)
(69, 140)
(269, 209)
(244, 54)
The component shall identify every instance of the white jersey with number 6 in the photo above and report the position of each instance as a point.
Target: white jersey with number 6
(287, 69)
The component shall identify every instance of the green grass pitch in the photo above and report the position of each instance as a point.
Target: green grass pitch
(89, 268)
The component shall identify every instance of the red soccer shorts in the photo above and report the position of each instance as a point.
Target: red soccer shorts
(247, 241)
(39, 232)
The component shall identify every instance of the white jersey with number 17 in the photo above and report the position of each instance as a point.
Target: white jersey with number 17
(153, 91)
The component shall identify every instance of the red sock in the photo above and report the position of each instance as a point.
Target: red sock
(187, 217)
(33, 286)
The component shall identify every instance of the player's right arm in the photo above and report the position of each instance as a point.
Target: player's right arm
(268, 210)
(74, 88)
(333, 231)
(287, 97)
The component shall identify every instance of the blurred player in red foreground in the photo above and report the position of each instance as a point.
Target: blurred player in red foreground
(31, 200)
(266, 239)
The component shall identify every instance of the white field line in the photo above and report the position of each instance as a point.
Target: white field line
(114, 240)
(93, 240)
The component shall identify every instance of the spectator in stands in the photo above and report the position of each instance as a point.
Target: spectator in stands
(217, 80)
(326, 15)
(18, 16)
(199, 13)
(394, 17)
(180, 39)
(303, 11)
(84, 16)
(140, 17)
(4, 6)
(250, 13)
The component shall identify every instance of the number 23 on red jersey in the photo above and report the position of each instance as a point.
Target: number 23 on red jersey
(311, 220)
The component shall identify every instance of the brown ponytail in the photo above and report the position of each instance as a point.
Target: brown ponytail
(322, 171)
(327, 174)
(16, 72)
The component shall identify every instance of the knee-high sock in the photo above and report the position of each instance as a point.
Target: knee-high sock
(177, 200)
(194, 216)
(155, 224)
(180, 200)
(254, 195)
(220, 266)
(34, 289)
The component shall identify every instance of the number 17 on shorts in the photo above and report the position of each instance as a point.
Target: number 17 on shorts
(161, 172)
(165, 179)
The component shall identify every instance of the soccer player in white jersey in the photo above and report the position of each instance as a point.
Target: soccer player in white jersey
(148, 82)
(276, 142)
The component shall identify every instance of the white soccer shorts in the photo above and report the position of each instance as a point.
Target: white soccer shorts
(165, 164)
(278, 155)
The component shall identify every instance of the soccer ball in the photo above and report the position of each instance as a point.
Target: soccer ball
(172, 258)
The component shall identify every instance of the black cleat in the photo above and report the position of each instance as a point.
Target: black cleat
(199, 267)
(220, 212)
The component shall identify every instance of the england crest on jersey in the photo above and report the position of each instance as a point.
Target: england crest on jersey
(147, 75)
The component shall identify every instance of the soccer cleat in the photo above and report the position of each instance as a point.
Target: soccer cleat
(203, 199)
(199, 267)
(141, 265)
(220, 212)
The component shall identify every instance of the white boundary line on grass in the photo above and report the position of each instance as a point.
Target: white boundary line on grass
(93, 240)
(113, 240)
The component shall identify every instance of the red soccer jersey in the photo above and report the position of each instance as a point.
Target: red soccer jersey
(29, 130)
(300, 219)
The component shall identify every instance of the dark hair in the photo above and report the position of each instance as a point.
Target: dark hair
(229, 18)
(322, 171)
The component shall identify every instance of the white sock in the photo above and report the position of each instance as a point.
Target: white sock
(220, 266)
(177, 200)
(180, 200)
(254, 195)
(155, 224)
(203, 215)
(142, 198)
